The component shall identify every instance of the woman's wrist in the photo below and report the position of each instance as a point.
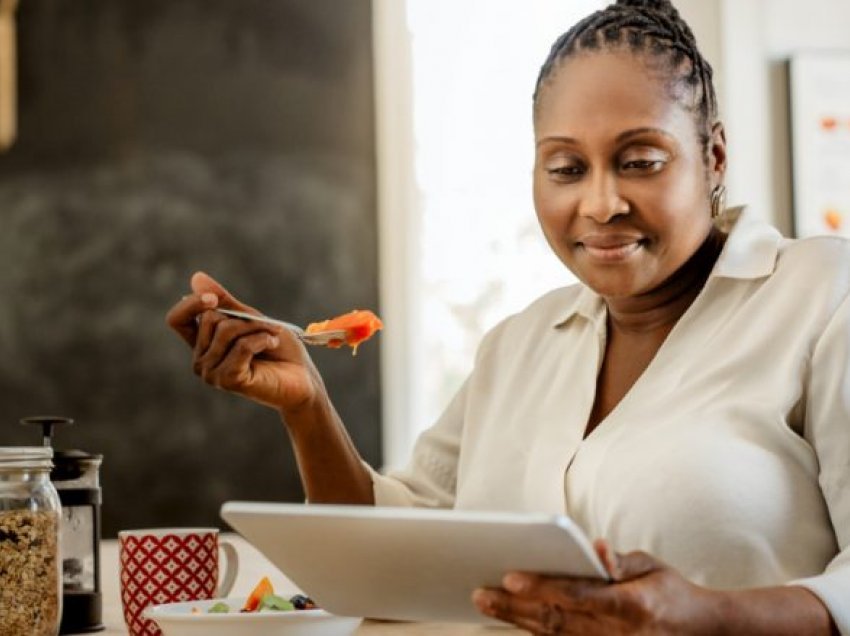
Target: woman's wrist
(315, 404)
(703, 612)
(308, 413)
(774, 611)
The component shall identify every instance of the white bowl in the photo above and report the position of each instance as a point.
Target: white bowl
(178, 619)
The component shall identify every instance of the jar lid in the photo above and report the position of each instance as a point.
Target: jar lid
(26, 457)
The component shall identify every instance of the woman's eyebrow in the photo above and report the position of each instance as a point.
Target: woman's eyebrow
(626, 134)
(634, 132)
(556, 138)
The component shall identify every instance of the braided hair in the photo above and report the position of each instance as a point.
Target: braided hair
(650, 27)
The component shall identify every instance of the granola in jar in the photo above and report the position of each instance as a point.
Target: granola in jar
(30, 565)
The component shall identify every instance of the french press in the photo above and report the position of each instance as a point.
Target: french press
(75, 475)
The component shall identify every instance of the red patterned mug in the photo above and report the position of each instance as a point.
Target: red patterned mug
(168, 566)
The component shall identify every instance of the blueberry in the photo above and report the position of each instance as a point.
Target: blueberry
(302, 602)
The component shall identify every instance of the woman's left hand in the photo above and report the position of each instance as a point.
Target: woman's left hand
(645, 596)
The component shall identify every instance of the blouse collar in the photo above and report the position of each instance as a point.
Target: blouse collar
(750, 252)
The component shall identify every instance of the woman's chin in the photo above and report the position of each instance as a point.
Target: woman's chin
(615, 284)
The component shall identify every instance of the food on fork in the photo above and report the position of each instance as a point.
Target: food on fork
(359, 325)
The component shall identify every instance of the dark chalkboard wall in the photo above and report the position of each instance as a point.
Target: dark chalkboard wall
(158, 137)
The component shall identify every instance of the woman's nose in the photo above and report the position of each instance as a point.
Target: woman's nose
(601, 200)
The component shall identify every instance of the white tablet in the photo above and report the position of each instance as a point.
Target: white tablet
(408, 563)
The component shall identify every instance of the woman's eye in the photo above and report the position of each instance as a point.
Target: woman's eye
(643, 165)
(569, 172)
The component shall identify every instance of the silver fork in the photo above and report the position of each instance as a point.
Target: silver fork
(320, 338)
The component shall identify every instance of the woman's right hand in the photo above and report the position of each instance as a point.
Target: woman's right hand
(262, 362)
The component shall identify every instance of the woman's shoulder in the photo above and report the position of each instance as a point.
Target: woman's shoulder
(813, 273)
(553, 307)
(823, 248)
(816, 258)
(540, 316)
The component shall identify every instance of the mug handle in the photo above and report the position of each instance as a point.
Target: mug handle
(231, 559)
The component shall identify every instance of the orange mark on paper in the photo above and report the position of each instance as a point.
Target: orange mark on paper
(833, 219)
(828, 123)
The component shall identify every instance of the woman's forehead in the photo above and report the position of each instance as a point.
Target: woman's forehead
(607, 92)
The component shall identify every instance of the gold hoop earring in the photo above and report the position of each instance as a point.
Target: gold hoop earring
(718, 201)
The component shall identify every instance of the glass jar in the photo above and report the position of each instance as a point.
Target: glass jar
(30, 567)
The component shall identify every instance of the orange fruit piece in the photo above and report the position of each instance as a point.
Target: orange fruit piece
(262, 589)
(359, 325)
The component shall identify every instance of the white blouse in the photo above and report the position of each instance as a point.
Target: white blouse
(729, 458)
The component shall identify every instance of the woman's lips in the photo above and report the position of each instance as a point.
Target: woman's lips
(610, 248)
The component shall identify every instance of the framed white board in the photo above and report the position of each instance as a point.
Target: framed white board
(820, 123)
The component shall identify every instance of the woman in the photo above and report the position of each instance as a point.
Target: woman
(689, 400)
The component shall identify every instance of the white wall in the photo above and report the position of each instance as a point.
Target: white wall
(790, 25)
(757, 37)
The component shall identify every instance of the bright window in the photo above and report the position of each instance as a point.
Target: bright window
(483, 255)
(460, 244)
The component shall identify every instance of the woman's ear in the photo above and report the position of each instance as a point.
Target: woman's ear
(717, 153)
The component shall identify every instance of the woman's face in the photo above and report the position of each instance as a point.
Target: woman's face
(621, 186)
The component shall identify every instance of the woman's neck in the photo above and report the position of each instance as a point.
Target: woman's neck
(662, 307)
